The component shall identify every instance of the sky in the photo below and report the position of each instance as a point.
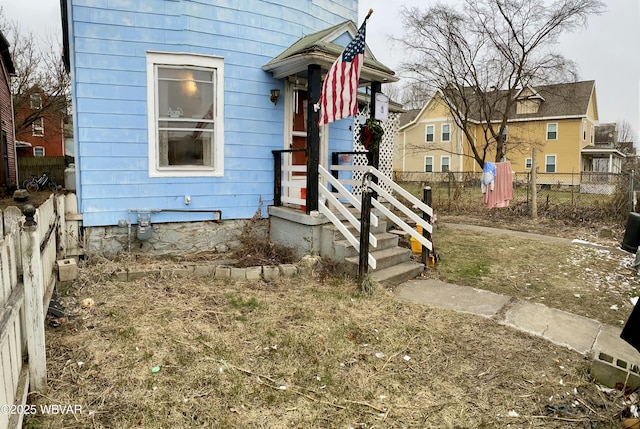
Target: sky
(607, 51)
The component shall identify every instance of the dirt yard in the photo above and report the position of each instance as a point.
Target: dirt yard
(299, 353)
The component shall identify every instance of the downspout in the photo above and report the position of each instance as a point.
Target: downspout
(13, 127)
(74, 111)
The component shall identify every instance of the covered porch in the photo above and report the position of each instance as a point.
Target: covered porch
(318, 173)
(600, 164)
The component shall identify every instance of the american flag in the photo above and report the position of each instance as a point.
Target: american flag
(339, 97)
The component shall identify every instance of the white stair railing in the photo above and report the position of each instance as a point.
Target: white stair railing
(390, 184)
(426, 226)
(332, 199)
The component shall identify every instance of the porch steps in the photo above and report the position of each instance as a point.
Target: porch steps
(394, 264)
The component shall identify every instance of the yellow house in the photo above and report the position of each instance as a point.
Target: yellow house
(557, 120)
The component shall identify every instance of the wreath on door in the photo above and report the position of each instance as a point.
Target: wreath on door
(371, 133)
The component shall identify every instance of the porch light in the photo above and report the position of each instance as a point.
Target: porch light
(275, 93)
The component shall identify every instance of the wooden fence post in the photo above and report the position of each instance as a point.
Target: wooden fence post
(62, 226)
(33, 293)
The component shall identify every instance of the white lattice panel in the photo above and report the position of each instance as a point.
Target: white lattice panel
(391, 127)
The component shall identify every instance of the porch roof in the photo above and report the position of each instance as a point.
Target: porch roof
(602, 151)
(318, 48)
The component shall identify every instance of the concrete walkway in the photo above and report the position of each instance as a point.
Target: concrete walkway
(586, 336)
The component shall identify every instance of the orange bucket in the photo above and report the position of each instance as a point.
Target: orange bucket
(416, 246)
(303, 195)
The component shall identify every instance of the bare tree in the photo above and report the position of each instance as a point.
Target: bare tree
(39, 70)
(478, 56)
(625, 132)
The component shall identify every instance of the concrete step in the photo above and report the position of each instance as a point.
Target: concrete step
(330, 235)
(384, 258)
(343, 249)
(393, 276)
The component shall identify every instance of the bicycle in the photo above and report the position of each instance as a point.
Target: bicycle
(43, 182)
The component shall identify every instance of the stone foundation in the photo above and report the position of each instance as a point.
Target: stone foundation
(173, 239)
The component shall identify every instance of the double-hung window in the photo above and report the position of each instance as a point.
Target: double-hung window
(37, 127)
(552, 131)
(446, 132)
(550, 164)
(430, 133)
(428, 164)
(444, 164)
(35, 101)
(527, 163)
(185, 101)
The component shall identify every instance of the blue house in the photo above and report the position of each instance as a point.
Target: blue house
(178, 105)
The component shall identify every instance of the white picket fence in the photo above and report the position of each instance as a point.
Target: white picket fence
(28, 253)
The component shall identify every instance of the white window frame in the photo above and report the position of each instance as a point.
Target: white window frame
(215, 63)
(37, 97)
(433, 133)
(555, 163)
(584, 131)
(548, 125)
(593, 133)
(442, 139)
(36, 149)
(442, 158)
(425, 164)
(505, 132)
(38, 130)
(528, 162)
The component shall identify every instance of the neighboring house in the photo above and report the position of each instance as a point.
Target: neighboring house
(558, 120)
(45, 136)
(178, 105)
(8, 168)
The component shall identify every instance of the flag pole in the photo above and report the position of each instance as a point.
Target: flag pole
(369, 14)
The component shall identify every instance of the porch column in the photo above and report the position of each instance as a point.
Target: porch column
(376, 87)
(610, 163)
(313, 136)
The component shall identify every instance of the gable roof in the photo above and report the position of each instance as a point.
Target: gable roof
(409, 116)
(6, 55)
(568, 100)
(319, 48)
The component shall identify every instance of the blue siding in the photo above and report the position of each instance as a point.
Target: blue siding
(110, 40)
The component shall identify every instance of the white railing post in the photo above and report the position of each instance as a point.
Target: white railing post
(33, 292)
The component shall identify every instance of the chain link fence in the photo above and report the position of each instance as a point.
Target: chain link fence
(596, 197)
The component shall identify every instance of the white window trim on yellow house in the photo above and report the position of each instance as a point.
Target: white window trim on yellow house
(432, 134)
(428, 157)
(442, 158)
(442, 133)
(555, 163)
(528, 162)
(555, 138)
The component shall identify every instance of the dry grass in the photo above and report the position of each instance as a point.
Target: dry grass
(595, 282)
(301, 353)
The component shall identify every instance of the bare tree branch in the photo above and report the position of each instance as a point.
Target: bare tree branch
(478, 56)
(39, 70)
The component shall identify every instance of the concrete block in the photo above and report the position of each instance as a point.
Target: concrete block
(270, 272)
(204, 270)
(608, 371)
(253, 273)
(238, 273)
(67, 269)
(120, 276)
(223, 272)
(182, 272)
(135, 275)
(288, 270)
